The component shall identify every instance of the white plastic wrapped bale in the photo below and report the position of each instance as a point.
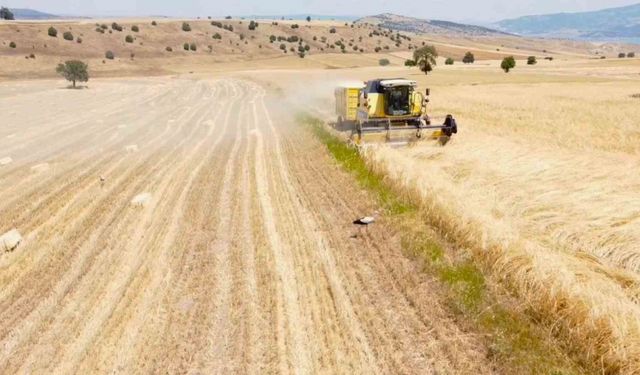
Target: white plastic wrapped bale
(10, 240)
(141, 200)
(5, 161)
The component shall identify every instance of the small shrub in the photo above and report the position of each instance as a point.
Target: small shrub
(384, 62)
(185, 46)
(154, 23)
(99, 30)
(115, 26)
(508, 63)
(295, 26)
(631, 54)
(217, 36)
(448, 61)
(216, 24)
(622, 55)
(550, 58)
(135, 28)
(104, 26)
(409, 62)
(283, 47)
(468, 58)
(169, 49)
(67, 35)
(272, 38)
(332, 30)
(186, 27)
(531, 60)
(128, 39)
(79, 40)
(32, 56)
(377, 49)
(52, 32)
(635, 96)
(12, 45)
(253, 25)
(109, 55)
(193, 47)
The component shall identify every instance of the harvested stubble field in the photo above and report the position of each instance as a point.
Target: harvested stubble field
(240, 261)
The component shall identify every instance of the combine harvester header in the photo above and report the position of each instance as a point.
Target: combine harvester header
(388, 110)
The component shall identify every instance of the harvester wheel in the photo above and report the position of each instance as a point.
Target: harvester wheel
(450, 126)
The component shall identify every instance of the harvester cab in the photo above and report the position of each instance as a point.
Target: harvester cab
(388, 110)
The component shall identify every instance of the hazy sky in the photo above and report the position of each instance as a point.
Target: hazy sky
(455, 10)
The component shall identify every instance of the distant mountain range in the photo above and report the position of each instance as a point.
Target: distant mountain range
(612, 23)
(30, 14)
(417, 25)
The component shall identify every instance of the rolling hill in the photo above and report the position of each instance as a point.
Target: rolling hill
(622, 22)
(417, 25)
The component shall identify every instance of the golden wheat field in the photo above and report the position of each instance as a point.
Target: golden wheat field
(541, 185)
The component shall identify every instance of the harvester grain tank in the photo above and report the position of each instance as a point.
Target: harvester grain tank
(388, 110)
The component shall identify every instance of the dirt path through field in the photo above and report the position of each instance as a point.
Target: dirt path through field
(241, 262)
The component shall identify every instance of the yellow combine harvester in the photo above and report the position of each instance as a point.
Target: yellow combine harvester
(390, 110)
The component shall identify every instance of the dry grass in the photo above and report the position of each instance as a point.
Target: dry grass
(539, 187)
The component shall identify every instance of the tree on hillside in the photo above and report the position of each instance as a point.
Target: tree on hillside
(621, 55)
(6, 14)
(532, 60)
(74, 70)
(308, 19)
(631, 54)
(508, 63)
(468, 58)
(448, 61)
(425, 58)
